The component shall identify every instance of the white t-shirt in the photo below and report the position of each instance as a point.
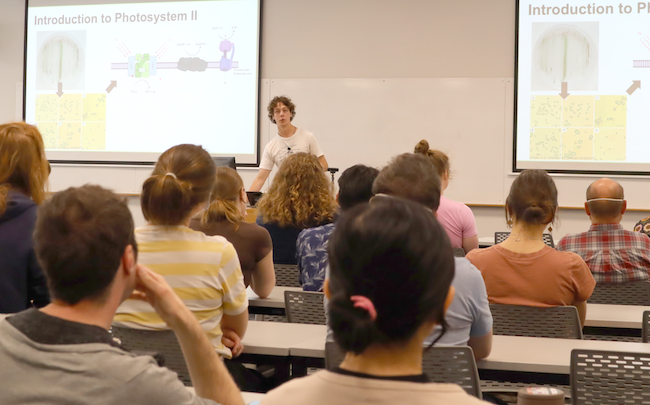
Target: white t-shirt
(279, 148)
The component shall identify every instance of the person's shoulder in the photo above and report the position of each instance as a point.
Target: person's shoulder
(253, 230)
(571, 259)
(316, 231)
(303, 133)
(298, 391)
(482, 253)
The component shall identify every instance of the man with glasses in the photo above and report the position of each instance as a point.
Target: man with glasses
(290, 140)
(613, 254)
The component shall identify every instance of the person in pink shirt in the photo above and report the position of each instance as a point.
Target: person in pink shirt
(456, 217)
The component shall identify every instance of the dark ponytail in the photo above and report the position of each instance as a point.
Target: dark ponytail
(393, 252)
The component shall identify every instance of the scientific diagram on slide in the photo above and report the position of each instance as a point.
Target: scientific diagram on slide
(582, 70)
(138, 78)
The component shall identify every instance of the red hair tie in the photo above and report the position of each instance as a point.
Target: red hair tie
(364, 303)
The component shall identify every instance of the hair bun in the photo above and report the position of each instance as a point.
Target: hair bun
(355, 330)
(422, 147)
(536, 214)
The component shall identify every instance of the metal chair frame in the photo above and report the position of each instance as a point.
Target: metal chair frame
(287, 275)
(552, 322)
(501, 236)
(305, 307)
(632, 293)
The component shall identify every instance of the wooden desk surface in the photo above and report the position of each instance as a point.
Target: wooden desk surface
(276, 338)
(274, 300)
(615, 316)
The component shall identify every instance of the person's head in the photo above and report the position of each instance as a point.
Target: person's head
(532, 199)
(300, 194)
(410, 176)
(228, 198)
(23, 166)
(396, 254)
(355, 185)
(439, 159)
(281, 107)
(605, 202)
(180, 183)
(83, 238)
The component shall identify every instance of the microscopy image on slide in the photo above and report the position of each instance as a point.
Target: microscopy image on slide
(578, 144)
(611, 111)
(70, 107)
(546, 111)
(47, 107)
(93, 135)
(564, 53)
(50, 133)
(94, 107)
(545, 143)
(61, 59)
(70, 135)
(578, 111)
(609, 144)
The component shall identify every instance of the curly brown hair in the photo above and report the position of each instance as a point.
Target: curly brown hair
(439, 159)
(300, 194)
(284, 100)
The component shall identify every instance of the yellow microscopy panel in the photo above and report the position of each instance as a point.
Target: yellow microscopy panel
(611, 112)
(93, 135)
(50, 133)
(94, 106)
(578, 111)
(47, 107)
(70, 135)
(609, 144)
(578, 144)
(546, 111)
(545, 143)
(70, 107)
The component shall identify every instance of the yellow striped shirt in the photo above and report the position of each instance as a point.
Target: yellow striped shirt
(203, 270)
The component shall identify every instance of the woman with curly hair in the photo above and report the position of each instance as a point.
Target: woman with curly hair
(300, 197)
(23, 179)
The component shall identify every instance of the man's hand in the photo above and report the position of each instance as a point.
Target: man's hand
(231, 340)
(153, 288)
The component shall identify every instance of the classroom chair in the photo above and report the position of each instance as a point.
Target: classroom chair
(163, 342)
(645, 328)
(459, 252)
(603, 377)
(305, 307)
(634, 293)
(287, 275)
(442, 364)
(501, 236)
(551, 322)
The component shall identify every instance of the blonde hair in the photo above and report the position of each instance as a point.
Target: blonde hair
(300, 194)
(226, 190)
(439, 159)
(23, 165)
(182, 179)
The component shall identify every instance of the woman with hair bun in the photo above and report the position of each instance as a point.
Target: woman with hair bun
(380, 317)
(23, 178)
(523, 270)
(225, 216)
(456, 217)
(203, 270)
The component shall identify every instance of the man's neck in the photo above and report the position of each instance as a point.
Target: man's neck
(287, 130)
(605, 221)
(86, 312)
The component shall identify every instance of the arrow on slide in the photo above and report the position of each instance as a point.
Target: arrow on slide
(564, 94)
(60, 90)
(111, 86)
(636, 84)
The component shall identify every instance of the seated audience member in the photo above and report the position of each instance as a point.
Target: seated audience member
(63, 353)
(203, 270)
(300, 197)
(456, 217)
(355, 186)
(523, 270)
(379, 316)
(613, 254)
(225, 216)
(412, 176)
(23, 178)
(643, 226)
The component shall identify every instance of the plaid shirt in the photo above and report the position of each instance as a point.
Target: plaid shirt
(613, 254)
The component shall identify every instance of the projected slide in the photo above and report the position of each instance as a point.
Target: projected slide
(124, 82)
(581, 72)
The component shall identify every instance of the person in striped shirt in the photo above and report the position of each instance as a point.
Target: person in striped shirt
(204, 271)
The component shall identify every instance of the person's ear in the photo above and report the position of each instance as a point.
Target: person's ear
(587, 209)
(624, 207)
(450, 297)
(326, 288)
(128, 262)
(243, 195)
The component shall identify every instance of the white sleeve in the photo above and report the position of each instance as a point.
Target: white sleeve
(267, 159)
(314, 149)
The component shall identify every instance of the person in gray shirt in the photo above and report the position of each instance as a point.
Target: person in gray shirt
(64, 353)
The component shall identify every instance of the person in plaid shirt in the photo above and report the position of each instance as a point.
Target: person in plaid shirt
(613, 254)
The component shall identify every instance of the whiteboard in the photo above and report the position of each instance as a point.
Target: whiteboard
(368, 121)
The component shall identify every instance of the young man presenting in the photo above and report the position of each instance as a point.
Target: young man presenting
(290, 140)
(63, 353)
